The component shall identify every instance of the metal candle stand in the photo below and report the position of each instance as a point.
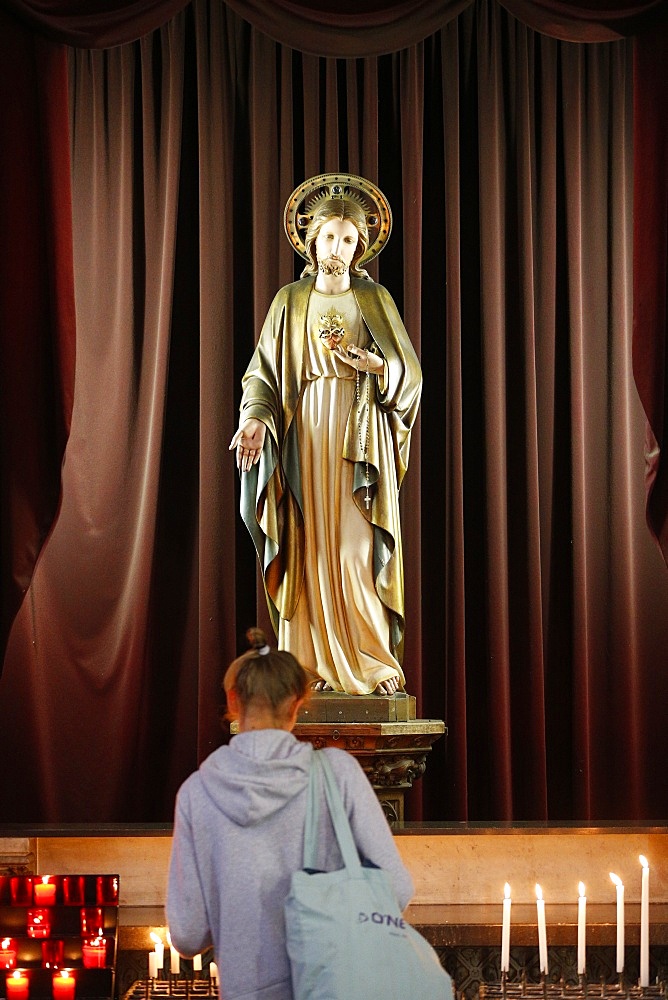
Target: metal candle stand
(545, 990)
(173, 986)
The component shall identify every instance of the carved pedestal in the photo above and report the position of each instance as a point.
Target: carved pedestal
(392, 754)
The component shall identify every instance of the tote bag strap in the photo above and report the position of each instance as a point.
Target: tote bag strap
(321, 771)
(312, 815)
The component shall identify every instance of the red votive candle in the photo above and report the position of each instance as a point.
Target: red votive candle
(63, 985)
(18, 986)
(20, 890)
(107, 889)
(4, 890)
(7, 953)
(45, 892)
(95, 953)
(73, 890)
(92, 921)
(39, 923)
(52, 954)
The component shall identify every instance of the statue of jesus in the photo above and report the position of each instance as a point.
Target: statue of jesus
(329, 400)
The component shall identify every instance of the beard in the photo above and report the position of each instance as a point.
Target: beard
(332, 265)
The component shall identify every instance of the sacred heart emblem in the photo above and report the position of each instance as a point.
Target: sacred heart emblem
(330, 329)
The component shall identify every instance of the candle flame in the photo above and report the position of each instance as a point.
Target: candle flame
(616, 879)
(506, 891)
(17, 974)
(169, 940)
(643, 861)
(581, 888)
(5, 943)
(155, 937)
(45, 879)
(539, 892)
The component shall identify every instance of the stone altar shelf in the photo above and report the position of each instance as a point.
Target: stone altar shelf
(458, 869)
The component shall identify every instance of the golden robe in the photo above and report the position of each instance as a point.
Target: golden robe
(357, 625)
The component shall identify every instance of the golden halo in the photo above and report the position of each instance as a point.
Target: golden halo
(349, 187)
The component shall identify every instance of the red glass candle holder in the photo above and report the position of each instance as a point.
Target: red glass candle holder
(17, 986)
(5, 895)
(92, 921)
(20, 890)
(52, 954)
(7, 953)
(94, 951)
(106, 888)
(38, 923)
(63, 985)
(73, 890)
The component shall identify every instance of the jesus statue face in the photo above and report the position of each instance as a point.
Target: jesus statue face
(335, 246)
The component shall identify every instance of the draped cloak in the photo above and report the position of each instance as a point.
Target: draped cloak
(271, 494)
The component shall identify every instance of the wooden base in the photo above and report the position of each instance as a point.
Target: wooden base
(392, 754)
(333, 706)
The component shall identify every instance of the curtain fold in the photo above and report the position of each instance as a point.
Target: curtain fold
(602, 21)
(113, 22)
(535, 596)
(360, 31)
(351, 30)
(85, 629)
(650, 278)
(37, 328)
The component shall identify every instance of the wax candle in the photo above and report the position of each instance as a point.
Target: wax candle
(7, 953)
(152, 965)
(94, 952)
(582, 930)
(197, 963)
(644, 923)
(18, 986)
(542, 930)
(505, 930)
(63, 985)
(159, 949)
(38, 923)
(174, 958)
(213, 970)
(620, 920)
(44, 892)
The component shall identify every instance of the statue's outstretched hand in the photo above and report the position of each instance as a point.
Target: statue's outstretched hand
(249, 441)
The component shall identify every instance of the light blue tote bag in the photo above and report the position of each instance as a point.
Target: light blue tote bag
(346, 937)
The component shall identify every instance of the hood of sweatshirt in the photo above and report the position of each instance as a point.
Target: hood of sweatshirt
(256, 774)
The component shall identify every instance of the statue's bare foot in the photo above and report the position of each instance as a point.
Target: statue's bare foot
(388, 686)
(321, 686)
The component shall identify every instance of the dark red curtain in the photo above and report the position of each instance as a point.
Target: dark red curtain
(112, 22)
(536, 603)
(37, 329)
(650, 285)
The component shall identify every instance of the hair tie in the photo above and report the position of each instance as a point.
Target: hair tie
(263, 650)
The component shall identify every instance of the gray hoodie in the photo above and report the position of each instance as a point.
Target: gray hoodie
(238, 838)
